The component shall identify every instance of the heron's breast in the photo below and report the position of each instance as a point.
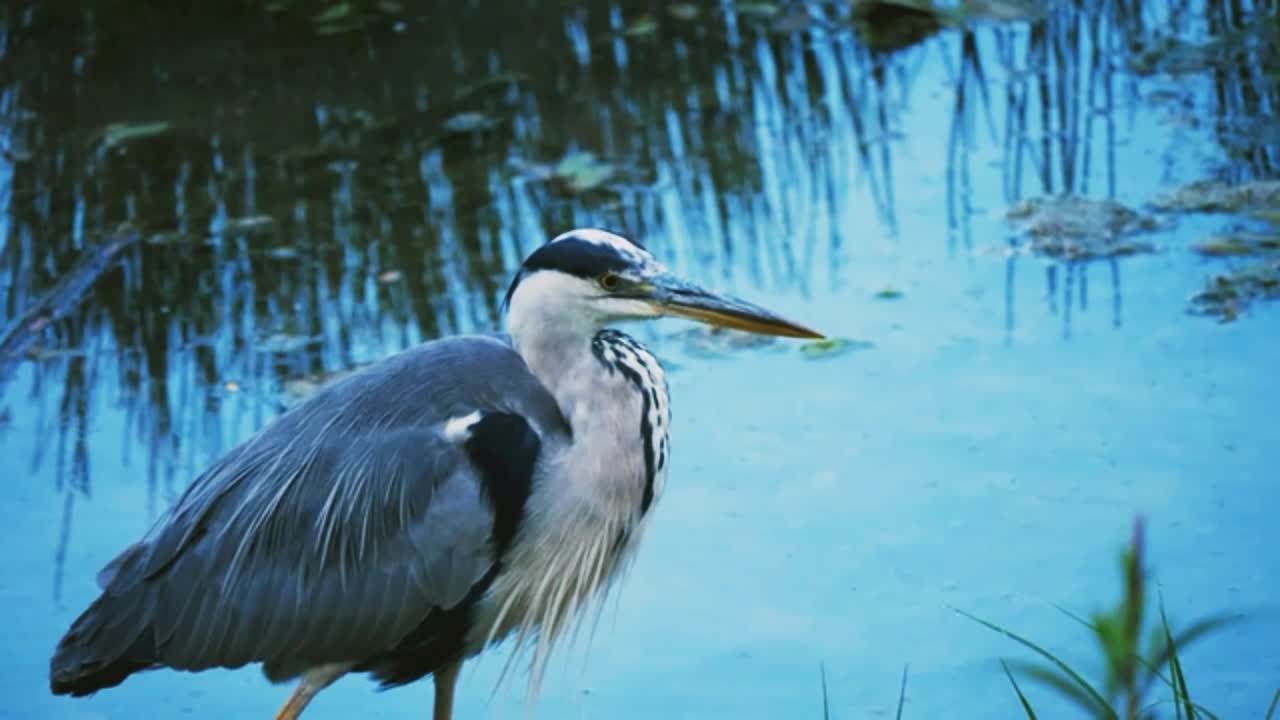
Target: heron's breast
(550, 575)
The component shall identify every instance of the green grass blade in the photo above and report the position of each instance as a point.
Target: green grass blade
(1075, 617)
(1059, 681)
(1181, 696)
(1275, 702)
(826, 706)
(902, 692)
(1149, 710)
(1102, 709)
(1155, 672)
(1146, 711)
(1204, 626)
(1203, 711)
(1031, 714)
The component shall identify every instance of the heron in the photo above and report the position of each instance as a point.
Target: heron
(462, 492)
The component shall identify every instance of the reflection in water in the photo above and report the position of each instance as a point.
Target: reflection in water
(304, 215)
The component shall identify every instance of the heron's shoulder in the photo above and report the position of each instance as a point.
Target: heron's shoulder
(436, 381)
(475, 366)
(441, 362)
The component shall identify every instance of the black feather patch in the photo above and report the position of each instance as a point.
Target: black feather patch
(505, 449)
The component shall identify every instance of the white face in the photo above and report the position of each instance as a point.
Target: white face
(569, 301)
(576, 302)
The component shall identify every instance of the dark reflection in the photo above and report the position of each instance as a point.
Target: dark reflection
(1246, 85)
(971, 81)
(1062, 83)
(314, 195)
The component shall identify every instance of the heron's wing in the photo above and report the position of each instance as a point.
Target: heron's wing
(333, 532)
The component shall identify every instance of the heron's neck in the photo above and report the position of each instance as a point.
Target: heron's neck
(614, 394)
(558, 354)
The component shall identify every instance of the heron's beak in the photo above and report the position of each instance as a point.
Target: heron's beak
(674, 296)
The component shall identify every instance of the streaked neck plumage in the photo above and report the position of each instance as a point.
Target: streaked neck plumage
(614, 395)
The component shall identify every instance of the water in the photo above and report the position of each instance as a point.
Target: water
(988, 452)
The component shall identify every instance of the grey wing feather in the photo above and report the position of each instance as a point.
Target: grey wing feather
(330, 534)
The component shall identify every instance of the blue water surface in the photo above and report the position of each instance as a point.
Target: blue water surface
(986, 445)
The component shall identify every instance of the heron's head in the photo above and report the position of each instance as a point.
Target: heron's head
(585, 279)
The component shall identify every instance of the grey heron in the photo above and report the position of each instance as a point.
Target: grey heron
(414, 513)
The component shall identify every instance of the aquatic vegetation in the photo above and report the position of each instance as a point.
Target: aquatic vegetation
(576, 173)
(1219, 196)
(1079, 228)
(1227, 295)
(1134, 667)
(1239, 243)
(21, 336)
(893, 25)
(832, 347)
(118, 134)
(888, 25)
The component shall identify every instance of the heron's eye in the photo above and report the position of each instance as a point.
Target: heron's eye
(609, 281)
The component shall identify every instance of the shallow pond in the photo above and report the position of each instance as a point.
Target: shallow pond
(318, 185)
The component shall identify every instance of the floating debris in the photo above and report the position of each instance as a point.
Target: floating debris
(890, 25)
(581, 171)
(643, 26)
(339, 18)
(1271, 216)
(759, 10)
(284, 252)
(168, 237)
(1226, 296)
(1240, 243)
(1079, 228)
(282, 343)
(388, 277)
(339, 11)
(1086, 248)
(832, 347)
(1218, 196)
(117, 134)
(888, 294)
(500, 80)
(469, 122)
(576, 173)
(683, 11)
(247, 224)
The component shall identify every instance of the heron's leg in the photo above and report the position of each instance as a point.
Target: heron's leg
(315, 680)
(445, 678)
